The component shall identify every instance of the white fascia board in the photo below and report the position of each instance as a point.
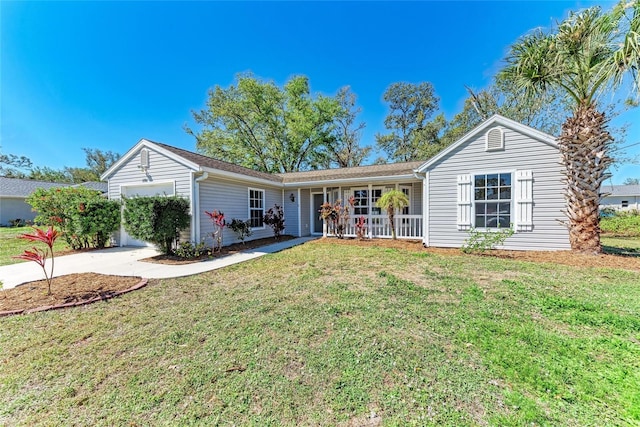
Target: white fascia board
(335, 182)
(242, 177)
(494, 120)
(144, 143)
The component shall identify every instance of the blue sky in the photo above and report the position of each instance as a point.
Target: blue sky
(105, 74)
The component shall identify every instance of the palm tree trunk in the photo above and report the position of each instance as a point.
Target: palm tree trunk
(584, 143)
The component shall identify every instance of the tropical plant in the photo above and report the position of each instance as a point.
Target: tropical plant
(274, 218)
(588, 55)
(241, 228)
(361, 228)
(336, 215)
(217, 218)
(189, 250)
(390, 201)
(39, 256)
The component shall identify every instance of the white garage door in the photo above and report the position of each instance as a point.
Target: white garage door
(152, 189)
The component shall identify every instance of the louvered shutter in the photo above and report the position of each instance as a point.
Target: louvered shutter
(524, 200)
(495, 139)
(464, 202)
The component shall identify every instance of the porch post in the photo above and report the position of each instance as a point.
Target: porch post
(369, 203)
(425, 210)
(324, 222)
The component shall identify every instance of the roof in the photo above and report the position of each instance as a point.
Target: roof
(386, 170)
(211, 163)
(494, 120)
(101, 186)
(620, 190)
(16, 187)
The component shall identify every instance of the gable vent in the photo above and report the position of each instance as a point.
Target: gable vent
(495, 139)
(144, 159)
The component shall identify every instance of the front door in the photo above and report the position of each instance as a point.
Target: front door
(317, 199)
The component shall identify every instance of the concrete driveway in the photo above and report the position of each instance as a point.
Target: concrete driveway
(125, 261)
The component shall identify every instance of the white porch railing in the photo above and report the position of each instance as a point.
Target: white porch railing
(407, 227)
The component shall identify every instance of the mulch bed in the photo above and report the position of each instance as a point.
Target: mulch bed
(226, 250)
(556, 257)
(66, 291)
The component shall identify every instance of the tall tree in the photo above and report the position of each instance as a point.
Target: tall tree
(631, 181)
(261, 126)
(13, 166)
(544, 112)
(345, 151)
(99, 161)
(588, 54)
(411, 105)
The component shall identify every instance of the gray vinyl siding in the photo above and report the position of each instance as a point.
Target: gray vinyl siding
(291, 212)
(161, 169)
(520, 153)
(305, 212)
(232, 198)
(12, 208)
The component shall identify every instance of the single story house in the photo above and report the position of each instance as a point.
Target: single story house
(620, 197)
(14, 192)
(500, 174)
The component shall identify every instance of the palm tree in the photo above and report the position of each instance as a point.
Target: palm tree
(590, 54)
(392, 200)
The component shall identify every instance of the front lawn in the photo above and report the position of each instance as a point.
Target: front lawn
(11, 245)
(326, 334)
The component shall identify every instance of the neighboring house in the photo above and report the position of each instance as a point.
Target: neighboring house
(502, 173)
(14, 191)
(620, 197)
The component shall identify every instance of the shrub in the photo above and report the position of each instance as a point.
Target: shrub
(18, 222)
(85, 218)
(241, 228)
(156, 219)
(622, 223)
(217, 218)
(274, 218)
(361, 228)
(481, 241)
(337, 216)
(189, 250)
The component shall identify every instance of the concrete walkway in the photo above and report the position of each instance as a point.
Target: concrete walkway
(125, 261)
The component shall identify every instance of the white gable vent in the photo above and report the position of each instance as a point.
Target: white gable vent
(144, 159)
(495, 139)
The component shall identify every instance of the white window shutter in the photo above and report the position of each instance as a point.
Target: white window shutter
(524, 200)
(464, 202)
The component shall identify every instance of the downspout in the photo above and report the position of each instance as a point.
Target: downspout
(195, 234)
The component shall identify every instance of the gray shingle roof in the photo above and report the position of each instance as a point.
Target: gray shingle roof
(209, 162)
(620, 190)
(103, 187)
(15, 187)
(391, 169)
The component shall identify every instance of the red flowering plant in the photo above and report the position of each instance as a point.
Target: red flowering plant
(217, 218)
(361, 227)
(39, 256)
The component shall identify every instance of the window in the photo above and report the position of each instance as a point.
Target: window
(624, 203)
(256, 208)
(407, 192)
(492, 200)
(361, 202)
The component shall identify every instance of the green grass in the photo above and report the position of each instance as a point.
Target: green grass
(628, 246)
(336, 335)
(11, 245)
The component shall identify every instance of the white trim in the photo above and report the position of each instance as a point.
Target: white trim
(242, 177)
(298, 214)
(512, 200)
(195, 203)
(492, 121)
(352, 181)
(264, 202)
(313, 211)
(425, 209)
(143, 143)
